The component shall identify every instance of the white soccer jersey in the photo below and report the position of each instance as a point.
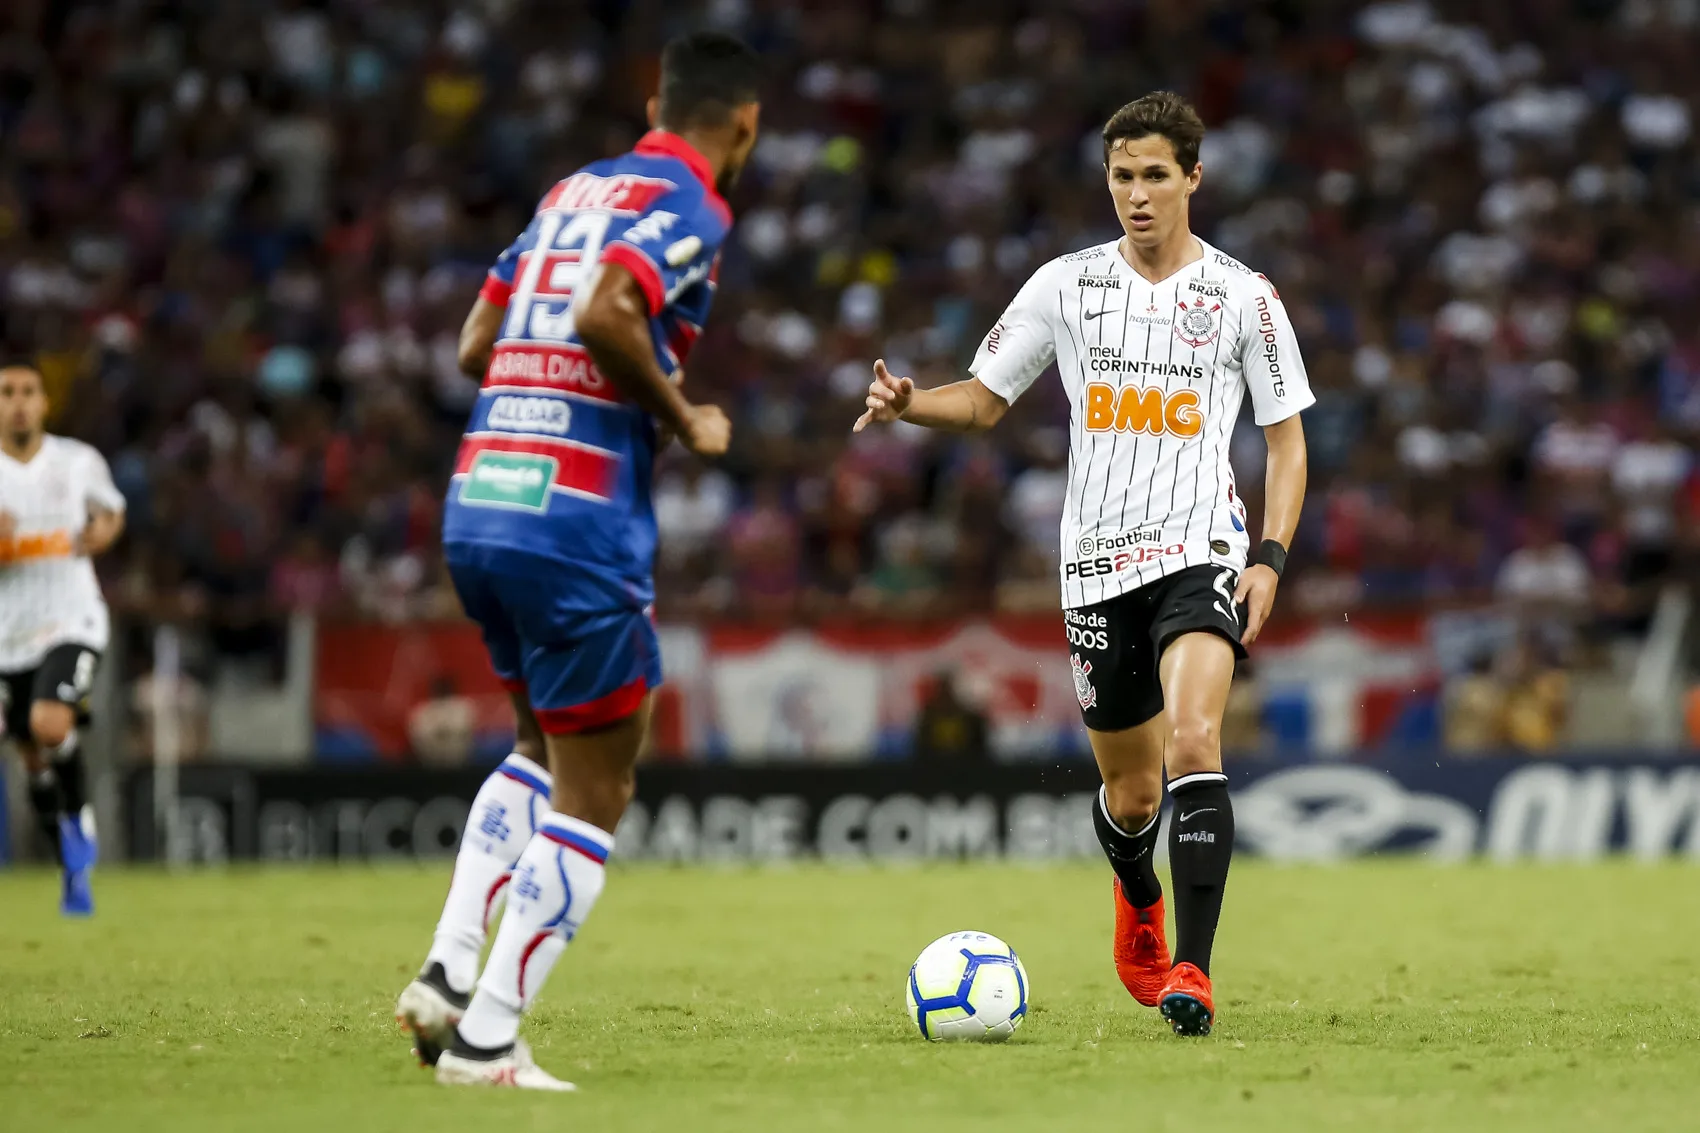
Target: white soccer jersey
(1155, 373)
(48, 591)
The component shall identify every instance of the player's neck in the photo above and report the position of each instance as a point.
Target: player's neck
(714, 145)
(1159, 261)
(21, 451)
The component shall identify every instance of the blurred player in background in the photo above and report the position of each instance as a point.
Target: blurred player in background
(58, 509)
(1158, 336)
(579, 334)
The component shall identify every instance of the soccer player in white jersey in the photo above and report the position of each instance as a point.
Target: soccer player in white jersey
(58, 509)
(1157, 337)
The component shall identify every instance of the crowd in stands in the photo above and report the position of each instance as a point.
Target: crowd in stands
(239, 239)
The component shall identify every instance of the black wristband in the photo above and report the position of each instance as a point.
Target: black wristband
(1271, 554)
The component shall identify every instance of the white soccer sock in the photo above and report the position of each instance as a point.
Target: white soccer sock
(556, 883)
(504, 814)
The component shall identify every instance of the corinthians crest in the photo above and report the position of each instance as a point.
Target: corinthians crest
(1083, 681)
(1198, 325)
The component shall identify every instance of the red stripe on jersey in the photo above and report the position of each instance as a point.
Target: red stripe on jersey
(643, 270)
(536, 365)
(495, 290)
(578, 468)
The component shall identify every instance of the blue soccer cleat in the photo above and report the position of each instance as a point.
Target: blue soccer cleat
(78, 851)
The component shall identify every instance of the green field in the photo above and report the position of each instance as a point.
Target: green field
(1389, 996)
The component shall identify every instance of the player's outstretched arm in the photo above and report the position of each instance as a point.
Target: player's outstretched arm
(611, 316)
(104, 527)
(1283, 499)
(961, 407)
(478, 337)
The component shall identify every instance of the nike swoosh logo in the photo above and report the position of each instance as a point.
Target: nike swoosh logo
(1090, 315)
(1196, 813)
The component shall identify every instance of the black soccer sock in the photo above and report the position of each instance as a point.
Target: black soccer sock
(67, 761)
(46, 801)
(1201, 844)
(1130, 854)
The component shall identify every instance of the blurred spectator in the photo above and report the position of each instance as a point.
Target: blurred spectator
(1242, 721)
(1546, 581)
(1474, 710)
(441, 729)
(185, 700)
(948, 729)
(1536, 703)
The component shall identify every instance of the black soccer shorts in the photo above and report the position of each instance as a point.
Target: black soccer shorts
(66, 674)
(1115, 645)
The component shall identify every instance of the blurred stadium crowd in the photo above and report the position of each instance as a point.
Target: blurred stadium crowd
(240, 237)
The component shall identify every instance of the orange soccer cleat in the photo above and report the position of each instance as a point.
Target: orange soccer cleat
(1186, 1001)
(1141, 952)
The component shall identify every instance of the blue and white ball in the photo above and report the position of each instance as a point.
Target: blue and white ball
(967, 987)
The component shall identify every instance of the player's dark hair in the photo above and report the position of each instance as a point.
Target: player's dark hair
(14, 360)
(704, 77)
(1163, 113)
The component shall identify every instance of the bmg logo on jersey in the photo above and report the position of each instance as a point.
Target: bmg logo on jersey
(511, 414)
(1135, 409)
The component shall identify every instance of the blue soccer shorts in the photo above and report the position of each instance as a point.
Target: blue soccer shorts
(579, 669)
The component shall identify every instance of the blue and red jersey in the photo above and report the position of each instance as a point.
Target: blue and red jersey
(556, 462)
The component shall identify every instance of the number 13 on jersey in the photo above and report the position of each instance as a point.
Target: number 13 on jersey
(567, 247)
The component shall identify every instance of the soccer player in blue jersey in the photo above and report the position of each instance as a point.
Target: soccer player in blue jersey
(578, 334)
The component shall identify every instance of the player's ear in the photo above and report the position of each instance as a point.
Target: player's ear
(1195, 177)
(746, 119)
(651, 110)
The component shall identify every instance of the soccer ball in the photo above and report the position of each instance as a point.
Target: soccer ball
(967, 987)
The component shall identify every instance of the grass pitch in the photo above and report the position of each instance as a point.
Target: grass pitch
(1392, 996)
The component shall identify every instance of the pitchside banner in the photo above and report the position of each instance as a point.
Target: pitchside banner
(1448, 810)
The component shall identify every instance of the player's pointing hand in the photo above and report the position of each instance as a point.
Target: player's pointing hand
(888, 398)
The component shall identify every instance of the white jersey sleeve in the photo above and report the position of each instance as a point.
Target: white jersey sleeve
(99, 488)
(1017, 349)
(1269, 352)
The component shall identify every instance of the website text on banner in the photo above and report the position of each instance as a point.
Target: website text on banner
(1448, 809)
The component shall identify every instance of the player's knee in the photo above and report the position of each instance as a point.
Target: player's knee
(1194, 745)
(51, 723)
(1132, 799)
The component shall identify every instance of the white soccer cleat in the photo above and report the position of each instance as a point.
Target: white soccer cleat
(516, 1069)
(428, 1009)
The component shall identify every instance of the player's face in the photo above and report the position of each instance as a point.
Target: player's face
(23, 404)
(1150, 188)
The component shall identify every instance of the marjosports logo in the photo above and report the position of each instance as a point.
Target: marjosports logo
(1134, 409)
(1271, 349)
(512, 414)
